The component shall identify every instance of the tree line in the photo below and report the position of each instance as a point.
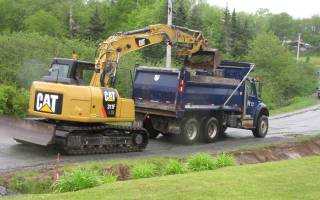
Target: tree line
(96, 20)
(34, 31)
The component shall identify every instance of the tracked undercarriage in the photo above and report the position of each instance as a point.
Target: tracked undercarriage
(77, 138)
(100, 139)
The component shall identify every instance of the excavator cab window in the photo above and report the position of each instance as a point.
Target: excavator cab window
(68, 71)
(83, 73)
(59, 70)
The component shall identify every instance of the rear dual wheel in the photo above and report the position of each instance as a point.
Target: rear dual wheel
(190, 130)
(211, 130)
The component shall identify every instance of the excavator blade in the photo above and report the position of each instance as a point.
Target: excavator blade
(32, 131)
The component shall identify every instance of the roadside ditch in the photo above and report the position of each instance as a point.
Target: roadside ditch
(43, 180)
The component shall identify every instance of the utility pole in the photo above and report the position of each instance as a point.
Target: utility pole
(298, 47)
(169, 22)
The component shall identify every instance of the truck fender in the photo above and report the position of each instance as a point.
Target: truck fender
(261, 110)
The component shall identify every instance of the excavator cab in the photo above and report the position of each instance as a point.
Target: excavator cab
(69, 71)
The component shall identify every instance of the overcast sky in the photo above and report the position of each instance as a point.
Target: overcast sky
(297, 9)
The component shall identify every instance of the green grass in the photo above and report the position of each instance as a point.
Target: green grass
(145, 170)
(80, 179)
(296, 104)
(174, 167)
(200, 162)
(315, 60)
(224, 160)
(293, 179)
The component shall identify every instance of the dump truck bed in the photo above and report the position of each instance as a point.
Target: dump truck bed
(169, 92)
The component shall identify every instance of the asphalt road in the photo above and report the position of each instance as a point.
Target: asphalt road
(282, 128)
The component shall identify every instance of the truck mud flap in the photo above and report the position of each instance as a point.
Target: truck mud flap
(32, 131)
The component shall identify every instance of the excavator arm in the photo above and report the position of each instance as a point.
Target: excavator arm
(120, 44)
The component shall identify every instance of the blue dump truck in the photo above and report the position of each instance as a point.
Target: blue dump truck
(201, 100)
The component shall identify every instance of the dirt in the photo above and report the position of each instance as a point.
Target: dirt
(121, 171)
(278, 152)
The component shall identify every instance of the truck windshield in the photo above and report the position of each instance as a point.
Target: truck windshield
(59, 70)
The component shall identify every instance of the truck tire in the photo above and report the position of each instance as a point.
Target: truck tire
(262, 127)
(212, 130)
(190, 130)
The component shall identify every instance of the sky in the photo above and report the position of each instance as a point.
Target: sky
(295, 8)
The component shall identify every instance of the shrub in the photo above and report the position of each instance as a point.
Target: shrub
(224, 160)
(143, 171)
(108, 178)
(174, 167)
(30, 185)
(81, 179)
(200, 162)
(13, 101)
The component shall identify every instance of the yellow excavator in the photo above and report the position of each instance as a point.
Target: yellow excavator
(75, 107)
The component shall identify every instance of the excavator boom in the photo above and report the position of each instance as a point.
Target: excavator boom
(120, 44)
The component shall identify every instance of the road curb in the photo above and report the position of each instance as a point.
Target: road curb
(313, 108)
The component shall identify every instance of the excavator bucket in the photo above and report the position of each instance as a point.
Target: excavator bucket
(31, 131)
(204, 59)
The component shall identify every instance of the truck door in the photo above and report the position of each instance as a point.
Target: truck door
(251, 100)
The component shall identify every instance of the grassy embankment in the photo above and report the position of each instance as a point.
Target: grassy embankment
(292, 179)
(296, 104)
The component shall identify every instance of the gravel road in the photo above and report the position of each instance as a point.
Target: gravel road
(282, 128)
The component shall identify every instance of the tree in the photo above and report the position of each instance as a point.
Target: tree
(195, 17)
(282, 25)
(225, 36)
(234, 35)
(280, 73)
(96, 26)
(240, 36)
(45, 23)
(181, 10)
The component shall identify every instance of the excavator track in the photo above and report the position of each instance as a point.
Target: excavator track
(100, 139)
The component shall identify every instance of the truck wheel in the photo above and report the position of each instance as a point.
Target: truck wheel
(190, 130)
(211, 130)
(262, 126)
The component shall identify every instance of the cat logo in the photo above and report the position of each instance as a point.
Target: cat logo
(142, 42)
(48, 103)
(109, 95)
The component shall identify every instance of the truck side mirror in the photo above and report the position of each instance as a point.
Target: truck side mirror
(259, 88)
